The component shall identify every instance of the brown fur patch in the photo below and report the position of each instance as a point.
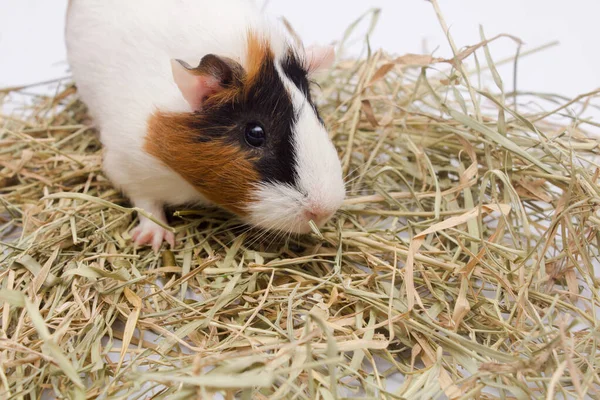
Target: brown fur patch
(258, 52)
(221, 170)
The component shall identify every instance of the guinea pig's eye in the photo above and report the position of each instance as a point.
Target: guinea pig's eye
(255, 135)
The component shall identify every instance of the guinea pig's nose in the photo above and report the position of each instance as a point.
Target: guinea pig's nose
(318, 214)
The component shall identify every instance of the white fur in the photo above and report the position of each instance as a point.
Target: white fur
(120, 52)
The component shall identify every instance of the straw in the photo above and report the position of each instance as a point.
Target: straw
(462, 265)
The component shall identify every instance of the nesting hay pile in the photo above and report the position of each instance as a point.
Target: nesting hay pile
(461, 266)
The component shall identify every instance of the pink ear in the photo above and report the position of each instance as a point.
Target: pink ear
(194, 88)
(319, 58)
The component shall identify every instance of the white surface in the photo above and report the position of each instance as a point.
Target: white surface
(31, 31)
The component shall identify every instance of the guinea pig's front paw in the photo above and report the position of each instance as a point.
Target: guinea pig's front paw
(149, 233)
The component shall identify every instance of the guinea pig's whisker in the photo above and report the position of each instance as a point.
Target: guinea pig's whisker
(236, 236)
(264, 232)
(260, 238)
(351, 172)
(292, 231)
(351, 181)
(270, 238)
(261, 232)
(275, 232)
(355, 170)
(251, 231)
(347, 182)
(281, 235)
(245, 228)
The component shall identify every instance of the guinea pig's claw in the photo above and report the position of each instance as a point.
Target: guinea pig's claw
(152, 234)
(170, 238)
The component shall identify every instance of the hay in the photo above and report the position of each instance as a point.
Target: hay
(461, 266)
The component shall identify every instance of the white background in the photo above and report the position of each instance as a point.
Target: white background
(31, 35)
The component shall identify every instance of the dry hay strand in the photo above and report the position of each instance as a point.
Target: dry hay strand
(461, 265)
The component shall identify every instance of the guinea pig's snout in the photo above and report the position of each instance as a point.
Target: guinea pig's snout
(319, 214)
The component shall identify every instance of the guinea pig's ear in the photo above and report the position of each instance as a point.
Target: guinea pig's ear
(212, 75)
(318, 58)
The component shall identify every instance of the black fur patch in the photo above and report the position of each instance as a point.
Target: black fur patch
(267, 103)
(294, 70)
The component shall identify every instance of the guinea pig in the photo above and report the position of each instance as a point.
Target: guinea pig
(205, 101)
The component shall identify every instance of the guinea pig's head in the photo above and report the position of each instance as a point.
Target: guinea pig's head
(253, 141)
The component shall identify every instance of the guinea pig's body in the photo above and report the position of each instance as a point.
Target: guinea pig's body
(239, 130)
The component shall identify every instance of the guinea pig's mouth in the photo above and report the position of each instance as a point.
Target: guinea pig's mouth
(301, 225)
(287, 221)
